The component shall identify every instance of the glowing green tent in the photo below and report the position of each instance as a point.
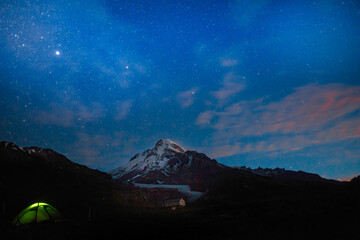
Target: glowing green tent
(36, 213)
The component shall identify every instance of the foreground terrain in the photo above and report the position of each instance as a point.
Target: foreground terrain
(238, 203)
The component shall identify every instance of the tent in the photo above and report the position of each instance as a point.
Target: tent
(36, 213)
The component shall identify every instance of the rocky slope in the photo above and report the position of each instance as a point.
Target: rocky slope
(169, 163)
(35, 164)
(281, 173)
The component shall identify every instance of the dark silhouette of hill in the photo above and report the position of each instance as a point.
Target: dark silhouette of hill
(169, 163)
(238, 204)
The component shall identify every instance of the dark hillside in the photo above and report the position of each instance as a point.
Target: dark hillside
(239, 204)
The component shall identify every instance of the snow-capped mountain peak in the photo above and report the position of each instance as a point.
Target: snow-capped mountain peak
(14, 147)
(166, 144)
(150, 159)
(45, 153)
(169, 163)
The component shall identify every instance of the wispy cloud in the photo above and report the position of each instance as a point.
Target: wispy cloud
(228, 62)
(245, 12)
(186, 98)
(103, 151)
(123, 109)
(67, 115)
(232, 84)
(90, 148)
(225, 150)
(312, 114)
(205, 117)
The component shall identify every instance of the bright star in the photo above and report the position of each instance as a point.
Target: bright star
(57, 53)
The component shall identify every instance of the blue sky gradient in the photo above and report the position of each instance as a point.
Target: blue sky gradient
(255, 83)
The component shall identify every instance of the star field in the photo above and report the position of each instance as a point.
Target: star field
(254, 83)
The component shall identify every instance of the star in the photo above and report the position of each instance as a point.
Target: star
(57, 53)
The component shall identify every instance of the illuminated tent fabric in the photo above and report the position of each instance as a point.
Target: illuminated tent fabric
(36, 213)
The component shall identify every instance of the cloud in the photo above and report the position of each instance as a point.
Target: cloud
(348, 178)
(224, 151)
(186, 98)
(244, 12)
(232, 84)
(103, 151)
(123, 109)
(205, 117)
(91, 148)
(312, 114)
(58, 116)
(76, 111)
(228, 62)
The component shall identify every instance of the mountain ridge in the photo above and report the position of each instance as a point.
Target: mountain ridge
(167, 158)
(44, 163)
(169, 163)
(239, 203)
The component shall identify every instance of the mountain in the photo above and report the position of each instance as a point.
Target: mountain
(35, 164)
(239, 202)
(169, 163)
(32, 174)
(281, 173)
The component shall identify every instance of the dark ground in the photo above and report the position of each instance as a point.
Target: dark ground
(268, 209)
(237, 205)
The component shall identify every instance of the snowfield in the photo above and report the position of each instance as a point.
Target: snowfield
(184, 189)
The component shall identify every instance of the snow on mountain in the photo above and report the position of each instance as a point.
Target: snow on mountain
(12, 146)
(12, 151)
(168, 163)
(151, 159)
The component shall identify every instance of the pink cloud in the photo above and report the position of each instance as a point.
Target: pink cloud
(312, 114)
(224, 151)
(347, 178)
(311, 107)
(346, 129)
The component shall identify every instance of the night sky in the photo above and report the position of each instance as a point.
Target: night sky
(254, 83)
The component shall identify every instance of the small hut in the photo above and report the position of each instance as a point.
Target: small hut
(174, 203)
